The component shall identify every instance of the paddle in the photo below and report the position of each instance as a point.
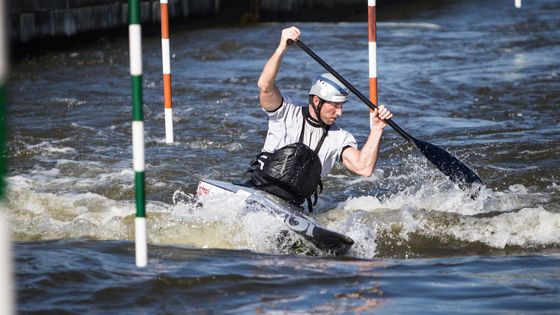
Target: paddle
(449, 165)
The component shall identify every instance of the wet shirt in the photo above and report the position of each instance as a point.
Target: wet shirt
(284, 127)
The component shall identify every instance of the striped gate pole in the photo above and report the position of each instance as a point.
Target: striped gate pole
(7, 300)
(518, 4)
(166, 65)
(372, 48)
(135, 46)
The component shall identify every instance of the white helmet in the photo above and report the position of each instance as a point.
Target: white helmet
(327, 87)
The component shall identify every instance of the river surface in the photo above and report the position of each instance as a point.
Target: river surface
(478, 78)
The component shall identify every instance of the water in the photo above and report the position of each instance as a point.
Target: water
(478, 79)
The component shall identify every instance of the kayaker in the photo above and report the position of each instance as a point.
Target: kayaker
(303, 142)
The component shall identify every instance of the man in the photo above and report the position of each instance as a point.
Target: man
(293, 172)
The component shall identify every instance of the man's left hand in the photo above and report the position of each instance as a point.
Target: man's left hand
(379, 116)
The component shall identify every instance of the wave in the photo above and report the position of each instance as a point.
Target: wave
(418, 222)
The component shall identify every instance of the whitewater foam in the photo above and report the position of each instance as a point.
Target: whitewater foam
(527, 228)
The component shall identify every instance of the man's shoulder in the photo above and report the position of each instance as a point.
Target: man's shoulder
(290, 102)
(288, 109)
(341, 136)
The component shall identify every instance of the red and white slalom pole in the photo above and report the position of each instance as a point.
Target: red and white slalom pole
(372, 48)
(166, 65)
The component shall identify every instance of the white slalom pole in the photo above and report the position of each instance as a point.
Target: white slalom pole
(7, 300)
(518, 4)
(6, 277)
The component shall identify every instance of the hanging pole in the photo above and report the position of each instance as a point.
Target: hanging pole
(135, 46)
(166, 65)
(518, 4)
(7, 300)
(372, 49)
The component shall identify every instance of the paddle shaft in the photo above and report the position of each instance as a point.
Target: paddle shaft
(362, 97)
(456, 170)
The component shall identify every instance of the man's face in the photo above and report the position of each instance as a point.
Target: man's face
(331, 111)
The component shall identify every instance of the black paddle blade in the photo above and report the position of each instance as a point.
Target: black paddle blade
(456, 170)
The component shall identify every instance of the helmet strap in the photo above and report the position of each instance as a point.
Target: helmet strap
(317, 111)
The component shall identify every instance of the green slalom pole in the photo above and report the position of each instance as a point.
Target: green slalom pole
(7, 299)
(138, 164)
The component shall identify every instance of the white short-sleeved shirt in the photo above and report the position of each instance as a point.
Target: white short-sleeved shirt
(284, 127)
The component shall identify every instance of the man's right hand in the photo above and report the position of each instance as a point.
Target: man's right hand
(290, 33)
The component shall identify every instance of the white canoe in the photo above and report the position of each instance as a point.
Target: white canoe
(290, 214)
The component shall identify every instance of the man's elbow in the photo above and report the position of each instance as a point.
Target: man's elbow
(265, 87)
(365, 172)
(360, 169)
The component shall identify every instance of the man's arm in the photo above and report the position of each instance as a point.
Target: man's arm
(362, 162)
(269, 94)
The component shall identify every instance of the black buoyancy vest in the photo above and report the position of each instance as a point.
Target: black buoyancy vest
(292, 172)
